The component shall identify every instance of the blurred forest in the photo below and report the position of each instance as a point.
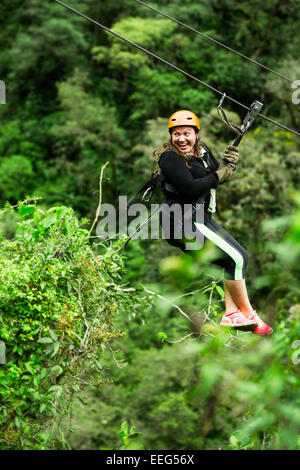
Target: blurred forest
(100, 353)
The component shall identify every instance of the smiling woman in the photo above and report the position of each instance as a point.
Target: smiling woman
(184, 127)
(184, 138)
(191, 177)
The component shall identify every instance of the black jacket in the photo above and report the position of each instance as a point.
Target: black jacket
(190, 183)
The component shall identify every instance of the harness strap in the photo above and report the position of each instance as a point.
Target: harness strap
(150, 186)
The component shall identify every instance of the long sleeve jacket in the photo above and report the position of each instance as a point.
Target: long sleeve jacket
(193, 183)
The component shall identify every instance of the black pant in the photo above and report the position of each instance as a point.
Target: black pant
(231, 255)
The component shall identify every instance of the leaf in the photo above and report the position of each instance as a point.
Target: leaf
(49, 349)
(43, 373)
(26, 377)
(53, 335)
(56, 370)
(234, 441)
(18, 422)
(55, 348)
(45, 340)
(36, 381)
(45, 437)
(29, 367)
(54, 388)
(48, 221)
(124, 427)
(69, 287)
(61, 212)
(43, 407)
(59, 392)
(26, 210)
(162, 336)
(220, 291)
(207, 289)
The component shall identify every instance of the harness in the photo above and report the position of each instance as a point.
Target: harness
(148, 188)
(147, 191)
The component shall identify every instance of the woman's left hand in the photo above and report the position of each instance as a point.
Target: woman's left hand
(231, 154)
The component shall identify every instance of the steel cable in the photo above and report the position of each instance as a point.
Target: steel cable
(174, 66)
(214, 40)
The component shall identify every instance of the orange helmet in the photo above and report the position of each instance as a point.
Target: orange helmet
(184, 118)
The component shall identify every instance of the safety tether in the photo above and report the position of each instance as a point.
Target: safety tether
(255, 107)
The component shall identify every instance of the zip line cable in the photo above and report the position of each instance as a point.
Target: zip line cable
(214, 40)
(174, 67)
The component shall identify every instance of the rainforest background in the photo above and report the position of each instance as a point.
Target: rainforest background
(100, 353)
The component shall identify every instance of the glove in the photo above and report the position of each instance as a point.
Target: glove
(231, 154)
(224, 172)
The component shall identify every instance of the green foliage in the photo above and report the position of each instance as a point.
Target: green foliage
(130, 438)
(15, 175)
(198, 395)
(11, 137)
(57, 306)
(88, 127)
(230, 390)
(85, 121)
(142, 31)
(38, 47)
(78, 97)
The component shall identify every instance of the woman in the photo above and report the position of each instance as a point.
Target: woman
(191, 173)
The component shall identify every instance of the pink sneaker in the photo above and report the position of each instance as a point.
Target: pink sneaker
(262, 328)
(237, 319)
